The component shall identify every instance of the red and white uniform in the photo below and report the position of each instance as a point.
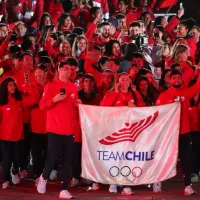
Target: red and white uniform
(113, 98)
(187, 93)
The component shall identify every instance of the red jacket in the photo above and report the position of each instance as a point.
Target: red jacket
(131, 16)
(121, 99)
(11, 120)
(3, 50)
(21, 6)
(38, 117)
(97, 40)
(192, 46)
(187, 93)
(82, 14)
(171, 26)
(54, 9)
(187, 72)
(114, 4)
(20, 80)
(60, 115)
(90, 69)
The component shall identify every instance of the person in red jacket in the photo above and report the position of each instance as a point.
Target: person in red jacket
(24, 77)
(44, 21)
(171, 25)
(20, 30)
(11, 126)
(184, 28)
(180, 55)
(131, 15)
(134, 30)
(60, 101)
(89, 97)
(38, 117)
(122, 95)
(113, 49)
(28, 11)
(79, 49)
(65, 23)
(178, 92)
(103, 38)
(54, 8)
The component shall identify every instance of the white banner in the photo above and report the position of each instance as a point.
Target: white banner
(129, 146)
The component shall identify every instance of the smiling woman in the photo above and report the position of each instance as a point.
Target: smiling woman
(11, 126)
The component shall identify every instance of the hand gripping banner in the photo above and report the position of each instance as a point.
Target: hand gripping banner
(129, 146)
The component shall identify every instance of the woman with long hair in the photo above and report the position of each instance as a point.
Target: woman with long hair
(183, 31)
(113, 49)
(144, 88)
(11, 126)
(80, 46)
(180, 55)
(41, 30)
(65, 23)
(122, 95)
(166, 52)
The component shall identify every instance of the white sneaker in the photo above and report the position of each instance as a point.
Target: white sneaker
(23, 174)
(95, 186)
(41, 187)
(74, 182)
(15, 178)
(5, 185)
(64, 194)
(113, 188)
(36, 182)
(54, 175)
(157, 187)
(189, 191)
(127, 191)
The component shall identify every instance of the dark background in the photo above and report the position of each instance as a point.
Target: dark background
(192, 9)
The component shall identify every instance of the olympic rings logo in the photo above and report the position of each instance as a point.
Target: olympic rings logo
(130, 174)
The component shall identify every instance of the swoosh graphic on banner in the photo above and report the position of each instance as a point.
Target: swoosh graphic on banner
(130, 134)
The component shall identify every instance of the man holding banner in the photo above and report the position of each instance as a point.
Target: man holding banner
(177, 92)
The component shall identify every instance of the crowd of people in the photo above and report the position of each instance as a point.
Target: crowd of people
(57, 54)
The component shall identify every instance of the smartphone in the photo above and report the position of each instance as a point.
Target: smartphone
(62, 91)
(181, 6)
(50, 26)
